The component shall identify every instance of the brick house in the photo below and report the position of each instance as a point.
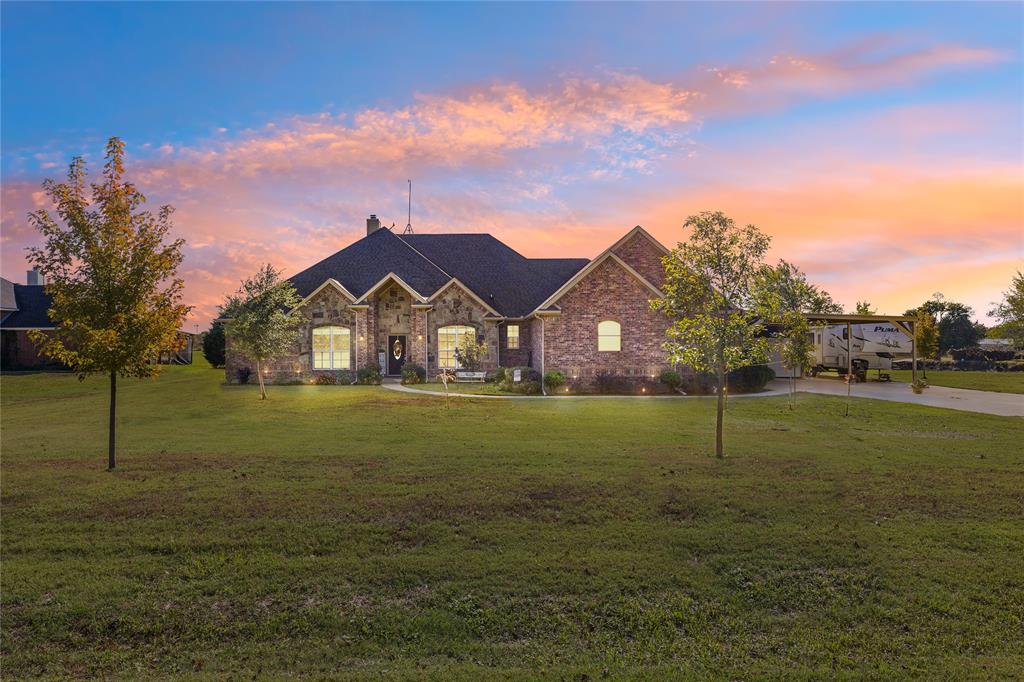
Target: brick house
(26, 307)
(388, 299)
(23, 307)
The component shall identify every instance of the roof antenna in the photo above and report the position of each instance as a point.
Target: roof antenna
(408, 225)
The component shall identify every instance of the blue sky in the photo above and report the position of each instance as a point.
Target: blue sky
(275, 128)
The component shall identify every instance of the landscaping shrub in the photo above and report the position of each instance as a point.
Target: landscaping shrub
(243, 375)
(497, 376)
(370, 375)
(529, 383)
(671, 378)
(696, 383)
(611, 384)
(341, 377)
(413, 373)
(749, 379)
(553, 380)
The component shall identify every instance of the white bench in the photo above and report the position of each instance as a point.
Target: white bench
(470, 376)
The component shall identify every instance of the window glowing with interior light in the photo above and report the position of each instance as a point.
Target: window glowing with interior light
(331, 348)
(512, 340)
(609, 336)
(448, 339)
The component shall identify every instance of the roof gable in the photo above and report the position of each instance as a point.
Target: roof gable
(608, 253)
(363, 264)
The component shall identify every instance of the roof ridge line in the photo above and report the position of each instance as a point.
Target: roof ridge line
(418, 253)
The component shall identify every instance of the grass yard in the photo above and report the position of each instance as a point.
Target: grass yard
(354, 532)
(473, 388)
(1001, 382)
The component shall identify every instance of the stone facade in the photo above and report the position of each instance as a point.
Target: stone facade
(327, 308)
(608, 292)
(455, 306)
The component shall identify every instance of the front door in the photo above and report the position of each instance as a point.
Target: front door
(397, 352)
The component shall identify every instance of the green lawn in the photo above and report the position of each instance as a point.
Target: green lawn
(1001, 382)
(474, 388)
(355, 532)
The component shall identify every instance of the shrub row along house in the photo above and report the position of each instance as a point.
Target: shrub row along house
(388, 299)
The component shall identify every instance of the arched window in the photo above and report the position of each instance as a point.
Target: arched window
(448, 339)
(331, 349)
(609, 335)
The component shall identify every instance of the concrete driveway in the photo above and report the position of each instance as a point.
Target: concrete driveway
(988, 402)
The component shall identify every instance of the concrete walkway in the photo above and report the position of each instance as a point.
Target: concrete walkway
(987, 402)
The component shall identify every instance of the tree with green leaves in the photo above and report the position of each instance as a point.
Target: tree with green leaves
(783, 295)
(709, 293)
(1010, 311)
(956, 330)
(864, 308)
(470, 353)
(213, 344)
(258, 322)
(111, 275)
(926, 334)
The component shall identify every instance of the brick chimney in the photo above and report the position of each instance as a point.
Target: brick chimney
(34, 278)
(372, 224)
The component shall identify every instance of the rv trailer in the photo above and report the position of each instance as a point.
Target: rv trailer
(875, 346)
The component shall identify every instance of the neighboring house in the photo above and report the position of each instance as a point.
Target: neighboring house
(22, 308)
(388, 299)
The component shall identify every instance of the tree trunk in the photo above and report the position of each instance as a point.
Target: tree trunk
(259, 375)
(792, 390)
(721, 413)
(113, 410)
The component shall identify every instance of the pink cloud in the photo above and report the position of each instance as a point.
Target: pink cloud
(501, 158)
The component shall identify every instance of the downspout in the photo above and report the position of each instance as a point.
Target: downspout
(543, 390)
(355, 379)
(426, 345)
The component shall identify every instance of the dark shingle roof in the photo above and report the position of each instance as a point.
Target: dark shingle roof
(511, 283)
(33, 303)
(508, 281)
(364, 263)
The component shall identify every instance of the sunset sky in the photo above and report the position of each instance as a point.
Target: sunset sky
(879, 145)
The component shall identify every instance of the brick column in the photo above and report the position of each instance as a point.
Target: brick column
(417, 337)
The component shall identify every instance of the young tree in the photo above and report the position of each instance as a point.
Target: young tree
(213, 344)
(116, 294)
(927, 333)
(783, 295)
(864, 308)
(258, 322)
(1010, 311)
(470, 354)
(708, 289)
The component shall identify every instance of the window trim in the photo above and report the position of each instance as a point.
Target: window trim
(509, 336)
(617, 336)
(331, 351)
(440, 355)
